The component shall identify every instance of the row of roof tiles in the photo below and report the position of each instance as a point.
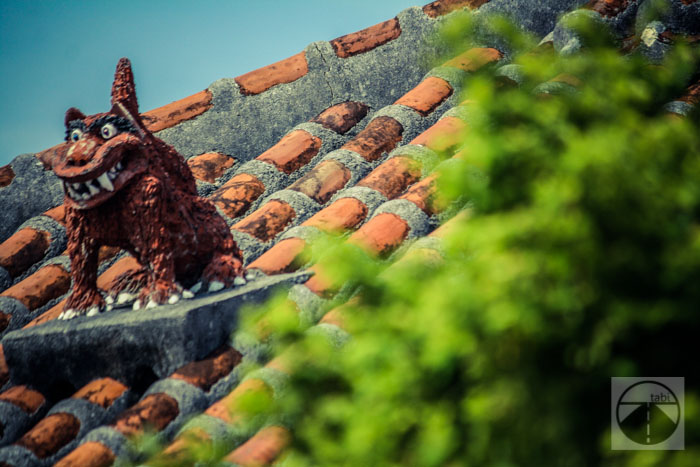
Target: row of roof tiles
(397, 179)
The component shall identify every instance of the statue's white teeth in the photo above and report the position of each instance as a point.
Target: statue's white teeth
(91, 186)
(119, 165)
(105, 182)
(76, 186)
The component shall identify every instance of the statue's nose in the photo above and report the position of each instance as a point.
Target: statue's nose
(82, 151)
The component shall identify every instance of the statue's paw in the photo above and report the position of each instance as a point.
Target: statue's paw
(71, 313)
(161, 294)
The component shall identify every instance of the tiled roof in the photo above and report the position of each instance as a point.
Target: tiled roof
(342, 137)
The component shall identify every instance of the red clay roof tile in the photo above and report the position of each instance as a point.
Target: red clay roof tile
(293, 151)
(380, 136)
(369, 38)
(423, 194)
(342, 117)
(692, 94)
(6, 175)
(50, 434)
(262, 448)
(608, 8)
(52, 313)
(177, 112)
(427, 96)
(284, 258)
(154, 410)
(209, 166)
(26, 399)
(323, 181)
(381, 234)
(204, 373)
(24, 248)
(90, 454)
(102, 392)
(340, 215)
(58, 214)
(4, 370)
(392, 177)
(107, 279)
(267, 221)
(235, 196)
(47, 283)
(226, 409)
(285, 71)
(442, 136)
(473, 59)
(442, 7)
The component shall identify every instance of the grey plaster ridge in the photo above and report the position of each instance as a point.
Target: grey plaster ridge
(426, 157)
(354, 162)
(19, 456)
(511, 71)
(417, 220)
(123, 343)
(458, 111)
(676, 107)
(429, 243)
(15, 422)
(274, 378)
(454, 76)
(303, 206)
(190, 399)
(5, 279)
(307, 233)
(109, 437)
(335, 334)
(218, 430)
(367, 196)
(250, 246)
(225, 384)
(267, 173)
(19, 313)
(311, 306)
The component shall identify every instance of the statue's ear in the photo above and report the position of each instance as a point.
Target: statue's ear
(123, 88)
(124, 101)
(73, 114)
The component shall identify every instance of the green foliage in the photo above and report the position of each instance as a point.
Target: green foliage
(579, 261)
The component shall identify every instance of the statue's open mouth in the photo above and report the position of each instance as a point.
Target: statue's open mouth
(112, 166)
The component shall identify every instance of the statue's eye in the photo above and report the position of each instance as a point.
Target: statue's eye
(76, 134)
(108, 130)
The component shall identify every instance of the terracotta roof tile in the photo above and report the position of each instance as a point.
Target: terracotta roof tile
(266, 222)
(102, 392)
(261, 449)
(423, 194)
(58, 214)
(442, 7)
(125, 265)
(427, 96)
(155, 411)
(227, 408)
(48, 315)
(293, 151)
(24, 248)
(379, 137)
(177, 112)
(6, 175)
(392, 177)
(323, 181)
(342, 117)
(26, 399)
(363, 41)
(4, 370)
(442, 136)
(381, 234)
(608, 8)
(284, 258)
(474, 59)
(340, 215)
(209, 166)
(285, 71)
(235, 196)
(90, 454)
(204, 373)
(50, 434)
(47, 283)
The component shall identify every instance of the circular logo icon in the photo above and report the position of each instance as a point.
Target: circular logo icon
(648, 412)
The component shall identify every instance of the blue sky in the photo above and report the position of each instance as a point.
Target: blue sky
(60, 54)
